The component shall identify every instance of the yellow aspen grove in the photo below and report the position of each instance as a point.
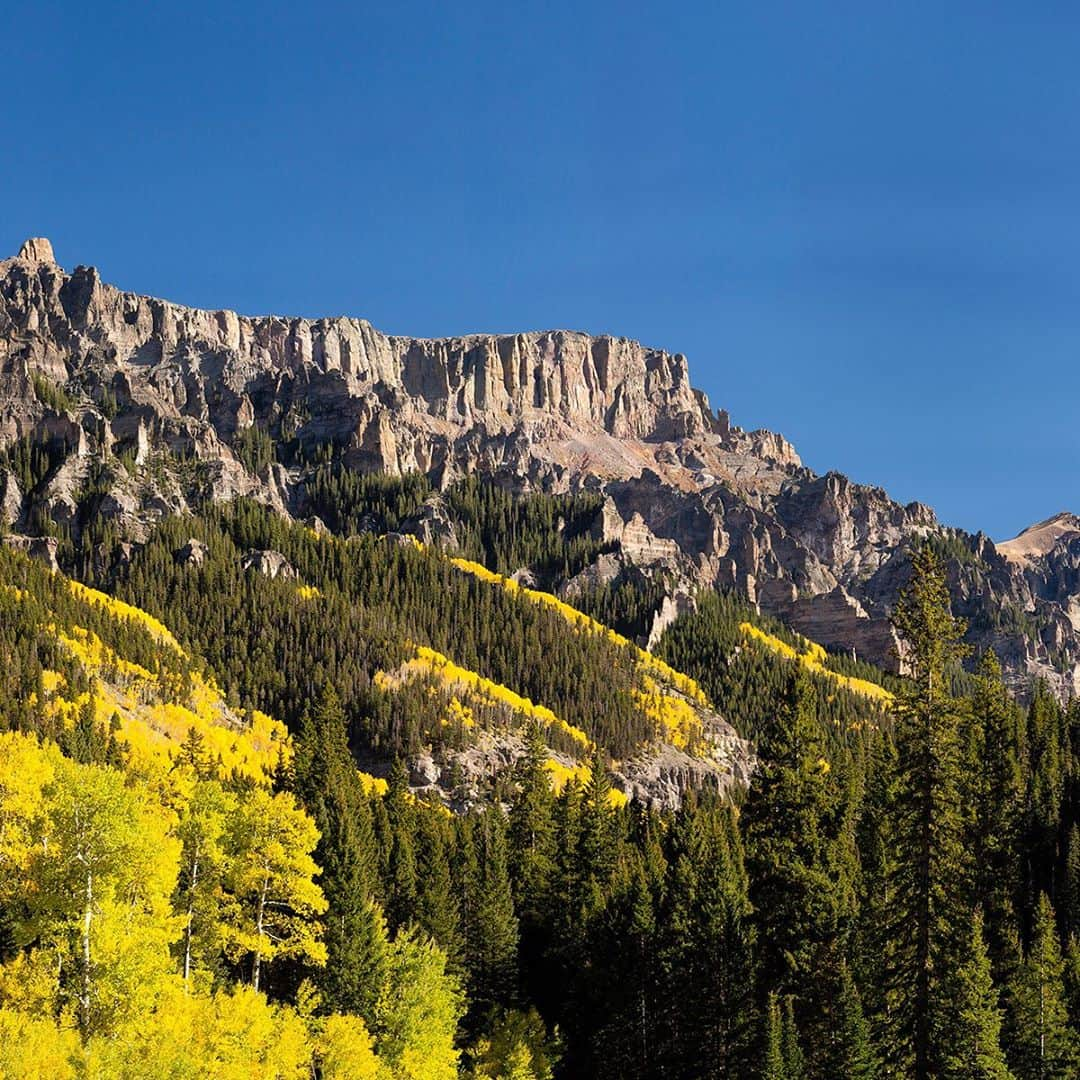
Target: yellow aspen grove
(273, 904)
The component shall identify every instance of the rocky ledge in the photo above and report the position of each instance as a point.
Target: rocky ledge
(99, 375)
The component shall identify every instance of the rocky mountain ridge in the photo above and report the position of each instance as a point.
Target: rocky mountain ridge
(96, 376)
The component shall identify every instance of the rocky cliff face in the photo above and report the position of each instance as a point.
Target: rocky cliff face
(99, 375)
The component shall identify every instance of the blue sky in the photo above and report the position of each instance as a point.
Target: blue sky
(860, 221)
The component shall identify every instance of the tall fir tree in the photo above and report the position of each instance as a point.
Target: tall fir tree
(1041, 1042)
(999, 805)
(772, 1064)
(326, 780)
(791, 824)
(930, 875)
(973, 1051)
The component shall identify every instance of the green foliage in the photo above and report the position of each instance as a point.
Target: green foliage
(33, 459)
(548, 534)
(747, 681)
(929, 877)
(49, 394)
(972, 1038)
(1042, 1041)
(821, 924)
(255, 448)
(376, 595)
(627, 606)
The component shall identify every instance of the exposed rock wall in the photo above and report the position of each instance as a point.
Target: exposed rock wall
(167, 389)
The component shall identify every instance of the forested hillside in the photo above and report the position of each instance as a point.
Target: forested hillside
(280, 803)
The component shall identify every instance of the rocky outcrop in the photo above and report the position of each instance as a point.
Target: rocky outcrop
(144, 405)
(271, 564)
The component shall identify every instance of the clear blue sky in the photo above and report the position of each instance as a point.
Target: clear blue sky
(860, 221)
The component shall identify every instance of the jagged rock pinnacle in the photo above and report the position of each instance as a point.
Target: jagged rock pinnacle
(37, 250)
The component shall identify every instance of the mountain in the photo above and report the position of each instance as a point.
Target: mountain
(118, 409)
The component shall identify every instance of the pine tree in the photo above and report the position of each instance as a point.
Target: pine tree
(708, 947)
(856, 1059)
(1071, 891)
(532, 829)
(794, 1063)
(772, 1067)
(930, 878)
(325, 778)
(972, 1041)
(839, 1046)
(1046, 782)
(791, 824)
(999, 803)
(437, 909)
(1042, 1044)
(401, 886)
(493, 931)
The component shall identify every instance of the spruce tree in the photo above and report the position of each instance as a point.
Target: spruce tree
(1042, 1044)
(401, 885)
(973, 1050)
(325, 778)
(930, 877)
(999, 804)
(532, 829)
(790, 824)
(772, 1067)
(437, 908)
(794, 1062)
(707, 947)
(492, 932)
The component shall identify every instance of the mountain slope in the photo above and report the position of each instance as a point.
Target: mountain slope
(118, 409)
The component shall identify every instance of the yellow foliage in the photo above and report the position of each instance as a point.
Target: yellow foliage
(561, 775)
(814, 659)
(308, 592)
(35, 1048)
(51, 681)
(674, 717)
(428, 662)
(156, 713)
(343, 1047)
(237, 1036)
(125, 611)
(644, 660)
(27, 769)
(372, 785)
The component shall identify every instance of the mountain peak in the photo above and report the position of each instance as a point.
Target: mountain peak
(1042, 537)
(37, 250)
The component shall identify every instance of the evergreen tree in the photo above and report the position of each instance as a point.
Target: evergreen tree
(772, 1067)
(708, 947)
(929, 881)
(973, 1050)
(437, 908)
(1042, 1044)
(493, 930)
(532, 829)
(794, 1063)
(999, 803)
(1046, 743)
(326, 780)
(791, 824)
(854, 1058)
(401, 885)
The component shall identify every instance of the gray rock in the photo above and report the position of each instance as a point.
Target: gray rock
(271, 563)
(193, 553)
(686, 493)
(423, 772)
(42, 548)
